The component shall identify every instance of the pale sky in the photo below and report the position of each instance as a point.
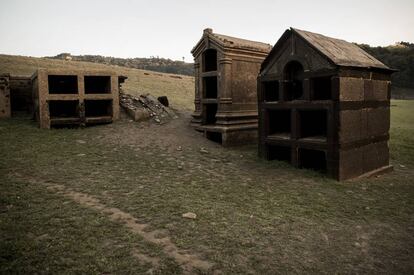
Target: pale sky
(168, 28)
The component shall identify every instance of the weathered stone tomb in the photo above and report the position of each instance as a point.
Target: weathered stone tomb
(324, 105)
(226, 69)
(69, 97)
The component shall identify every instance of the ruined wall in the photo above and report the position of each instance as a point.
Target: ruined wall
(21, 94)
(5, 110)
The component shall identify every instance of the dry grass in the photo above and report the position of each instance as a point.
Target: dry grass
(253, 216)
(180, 91)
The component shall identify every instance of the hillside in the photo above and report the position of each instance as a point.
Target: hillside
(151, 64)
(179, 89)
(401, 57)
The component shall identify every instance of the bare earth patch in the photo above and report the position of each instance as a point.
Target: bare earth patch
(187, 261)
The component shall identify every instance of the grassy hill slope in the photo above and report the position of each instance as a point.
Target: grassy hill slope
(156, 64)
(179, 89)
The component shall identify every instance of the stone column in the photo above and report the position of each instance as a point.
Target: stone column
(224, 84)
(43, 91)
(197, 80)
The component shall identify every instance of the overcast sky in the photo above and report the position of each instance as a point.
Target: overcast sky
(170, 28)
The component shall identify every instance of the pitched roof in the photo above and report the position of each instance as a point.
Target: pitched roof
(339, 52)
(234, 42)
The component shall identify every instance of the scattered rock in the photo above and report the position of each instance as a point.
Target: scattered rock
(179, 148)
(189, 215)
(203, 150)
(146, 106)
(402, 166)
(138, 114)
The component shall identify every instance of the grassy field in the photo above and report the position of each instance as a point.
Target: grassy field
(110, 199)
(139, 81)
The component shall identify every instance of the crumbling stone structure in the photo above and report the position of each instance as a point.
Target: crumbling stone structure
(5, 107)
(21, 94)
(15, 95)
(66, 97)
(324, 105)
(225, 87)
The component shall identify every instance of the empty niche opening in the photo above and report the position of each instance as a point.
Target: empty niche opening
(279, 123)
(293, 76)
(20, 101)
(214, 136)
(270, 90)
(97, 84)
(210, 87)
(313, 124)
(276, 152)
(312, 159)
(210, 60)
(210, 113)
(64, 109)
(321, 88)
(98, 108)
(63, 84)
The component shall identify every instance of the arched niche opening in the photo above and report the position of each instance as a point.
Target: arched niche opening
(293, 78)
(209, 60)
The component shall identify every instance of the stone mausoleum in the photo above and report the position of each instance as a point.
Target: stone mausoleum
(226, 69)
(324, 104)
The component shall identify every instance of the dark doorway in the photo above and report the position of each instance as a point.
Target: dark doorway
(282, 153)
(63, 84)
(210, 87)
(312, 159)
(313, 123)
(97, 84)
(63, 109)
(279, 122)
(98, 108)
(210, 60)
(293, 85)
(270, 90)
(321, 88)
(210, 111)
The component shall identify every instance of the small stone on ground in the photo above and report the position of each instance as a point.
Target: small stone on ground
(189, 215)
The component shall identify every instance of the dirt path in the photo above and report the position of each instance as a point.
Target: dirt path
(187, 261)
(177, 132)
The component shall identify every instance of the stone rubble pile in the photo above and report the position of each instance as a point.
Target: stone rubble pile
(145, 107)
